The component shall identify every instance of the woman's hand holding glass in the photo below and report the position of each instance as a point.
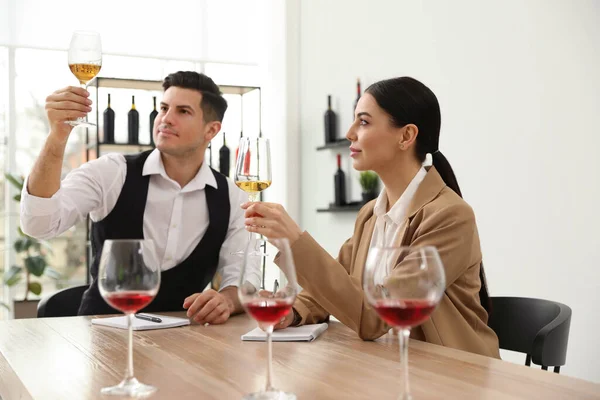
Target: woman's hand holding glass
(272, 221)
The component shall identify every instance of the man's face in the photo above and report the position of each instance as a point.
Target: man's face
(179, 127)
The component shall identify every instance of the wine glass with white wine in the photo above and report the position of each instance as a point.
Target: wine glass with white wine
(253, 173)
(85, 61)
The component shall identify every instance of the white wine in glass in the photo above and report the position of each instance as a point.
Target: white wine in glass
(253, 188)
(253, 173)
(253, 166)
(85, 61)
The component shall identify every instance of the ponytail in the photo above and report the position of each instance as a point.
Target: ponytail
(443, 167)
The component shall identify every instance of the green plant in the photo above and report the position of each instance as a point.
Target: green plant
(33, 254)
(369, 181)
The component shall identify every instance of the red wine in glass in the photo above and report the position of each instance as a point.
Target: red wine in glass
(268, 308)
(404, 313)
(129, 279)
(268, 311)
(129, 302)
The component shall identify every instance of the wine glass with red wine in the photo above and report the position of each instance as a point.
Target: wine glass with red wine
(404, 285)
(269, 307)
(128, 279)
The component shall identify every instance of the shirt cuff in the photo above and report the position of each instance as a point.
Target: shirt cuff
(227, 283)
(38, 206)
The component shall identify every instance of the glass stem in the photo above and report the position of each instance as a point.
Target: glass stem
(253, 197)
(129, 374)
(84, 87)
(269, 386)
(403, 335)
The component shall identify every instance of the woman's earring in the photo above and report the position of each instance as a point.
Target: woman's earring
(402, 146)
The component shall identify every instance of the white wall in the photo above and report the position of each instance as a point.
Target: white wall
(279, 81)
(519, 86)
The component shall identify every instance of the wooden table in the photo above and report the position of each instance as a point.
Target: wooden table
(68, 358)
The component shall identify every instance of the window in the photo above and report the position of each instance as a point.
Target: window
(3, 149)
(134, 49)
(31, 90)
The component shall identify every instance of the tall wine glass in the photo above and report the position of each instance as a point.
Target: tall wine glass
(253, 173)
(268, 308)
(85, 61)
(404, 285)
(129, 279)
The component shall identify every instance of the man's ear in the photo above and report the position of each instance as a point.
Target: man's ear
(211, 130)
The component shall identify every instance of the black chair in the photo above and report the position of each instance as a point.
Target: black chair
(536, 327)
(63, 303)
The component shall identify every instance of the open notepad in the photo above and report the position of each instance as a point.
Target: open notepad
(140, 324)
(304, 333)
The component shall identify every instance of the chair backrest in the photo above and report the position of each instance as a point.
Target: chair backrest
(64, 303)
(536, 327)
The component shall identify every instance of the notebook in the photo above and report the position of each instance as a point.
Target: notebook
(304, 333)
(140, 324)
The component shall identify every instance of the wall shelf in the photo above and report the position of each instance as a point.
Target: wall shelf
(335, 145)
(125, 147)
(119, 83)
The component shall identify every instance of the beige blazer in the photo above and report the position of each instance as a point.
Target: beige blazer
(438, 217)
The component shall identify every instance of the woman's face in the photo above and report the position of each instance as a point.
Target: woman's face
(375, 140)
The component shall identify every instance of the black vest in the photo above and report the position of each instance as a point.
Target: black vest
(126, 221)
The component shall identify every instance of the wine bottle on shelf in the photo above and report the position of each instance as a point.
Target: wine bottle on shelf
(133, 124)
(224, 157)
(330, 123)
(357, 96)
(339, 181)
(153, 115)
(109, 124)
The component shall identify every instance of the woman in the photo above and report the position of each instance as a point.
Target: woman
(397, 123)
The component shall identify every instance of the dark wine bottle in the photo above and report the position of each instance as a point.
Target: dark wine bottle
(210, 154)
(133, 124)
(357, 96)
(153, 115)
(224, 157)
(109, 124)
(339, 181)
(330, 123)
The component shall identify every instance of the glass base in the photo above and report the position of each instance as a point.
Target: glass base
(257, 251)
(82, 122)
(253, 253)
(270, 395)
(129, 387)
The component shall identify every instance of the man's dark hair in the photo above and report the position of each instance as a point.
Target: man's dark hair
(213, 104)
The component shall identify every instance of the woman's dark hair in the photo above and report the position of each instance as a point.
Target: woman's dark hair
(408, 101)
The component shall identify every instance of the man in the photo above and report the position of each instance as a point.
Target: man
(169, 195)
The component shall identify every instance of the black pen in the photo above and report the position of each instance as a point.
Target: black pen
(148, 318)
